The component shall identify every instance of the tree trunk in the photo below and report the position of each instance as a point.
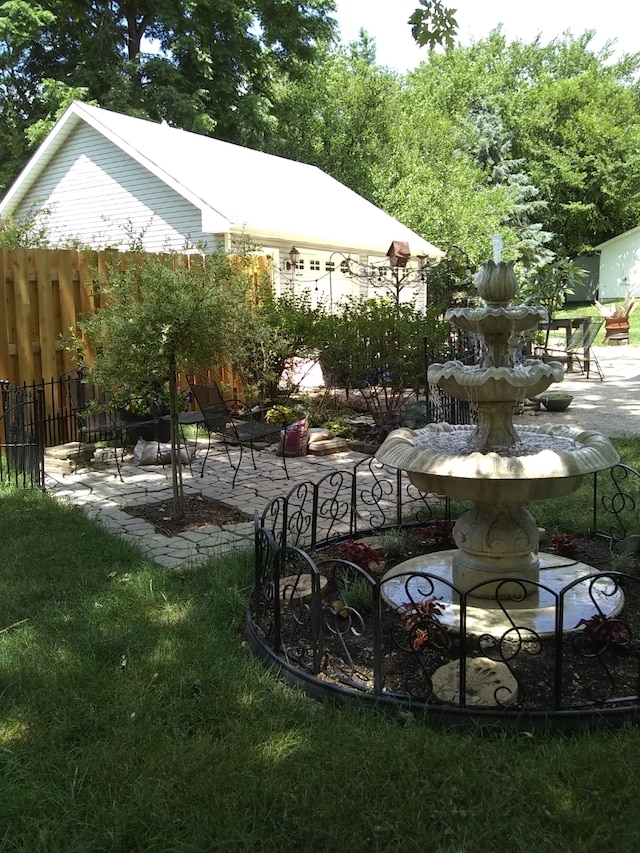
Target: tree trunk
(176, 462)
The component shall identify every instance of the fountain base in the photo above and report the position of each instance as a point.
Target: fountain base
(469, 571)
(535, 612)
(496, 541)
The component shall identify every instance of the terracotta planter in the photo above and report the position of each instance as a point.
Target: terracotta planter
(616, 327)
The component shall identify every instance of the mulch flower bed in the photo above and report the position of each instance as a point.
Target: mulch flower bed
(600, 660)
(199, 512)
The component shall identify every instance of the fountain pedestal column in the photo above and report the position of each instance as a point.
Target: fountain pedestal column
(496, 542)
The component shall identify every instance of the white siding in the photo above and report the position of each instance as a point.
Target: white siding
(323, 276)
(97, 195)
(318, 273)
(620, 267)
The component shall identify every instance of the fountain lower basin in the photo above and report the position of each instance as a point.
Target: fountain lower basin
(498, 537)
(550, 461)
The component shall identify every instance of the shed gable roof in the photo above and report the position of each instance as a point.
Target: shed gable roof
(237, 189)
(624, 234)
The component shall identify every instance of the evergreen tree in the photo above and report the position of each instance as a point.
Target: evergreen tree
(494, 154)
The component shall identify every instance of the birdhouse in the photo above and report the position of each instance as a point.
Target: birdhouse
(398, 254)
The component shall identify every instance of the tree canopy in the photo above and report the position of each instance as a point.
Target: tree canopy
(208, 66)
(540, 143)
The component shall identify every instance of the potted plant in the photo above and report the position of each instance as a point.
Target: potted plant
(616, 318)
(147, 412)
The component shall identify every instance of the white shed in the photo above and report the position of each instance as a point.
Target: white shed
(106, 179)
(620, 266)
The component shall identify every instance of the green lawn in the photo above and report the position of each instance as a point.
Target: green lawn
(134, 718)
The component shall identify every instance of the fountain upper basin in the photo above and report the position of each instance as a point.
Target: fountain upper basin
(550, 461)
(491, 320)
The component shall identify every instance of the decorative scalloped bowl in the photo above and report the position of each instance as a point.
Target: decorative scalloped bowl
(437, 459)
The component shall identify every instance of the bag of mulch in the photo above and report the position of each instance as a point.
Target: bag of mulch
(294, 439)
(152, 453)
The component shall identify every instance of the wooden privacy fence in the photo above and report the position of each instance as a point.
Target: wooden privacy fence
(43, 294)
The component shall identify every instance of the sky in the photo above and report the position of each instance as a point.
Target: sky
(386, 21)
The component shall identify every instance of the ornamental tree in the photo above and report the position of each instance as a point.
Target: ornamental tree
(160, 316)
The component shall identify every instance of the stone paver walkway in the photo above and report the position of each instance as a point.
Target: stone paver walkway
(102, 495)
(611, 407)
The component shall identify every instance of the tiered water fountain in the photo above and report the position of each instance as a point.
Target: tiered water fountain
(500, 467)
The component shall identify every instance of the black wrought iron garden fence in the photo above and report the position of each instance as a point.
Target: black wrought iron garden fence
(21, 436)
(341, 626)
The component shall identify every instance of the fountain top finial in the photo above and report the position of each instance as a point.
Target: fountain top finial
(496, 282)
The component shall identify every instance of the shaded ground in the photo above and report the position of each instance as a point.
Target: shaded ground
(199, 512)
(599, 660)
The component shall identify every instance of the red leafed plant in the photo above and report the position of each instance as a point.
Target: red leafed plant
(600, 631)
(567, 545)
(417, 612)
(359, 553)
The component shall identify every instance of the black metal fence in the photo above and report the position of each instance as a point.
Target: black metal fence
(22, 436)
(441, 407)
(46, 414)
(334, 628)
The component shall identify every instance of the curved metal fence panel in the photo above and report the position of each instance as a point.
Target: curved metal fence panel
(322, 613)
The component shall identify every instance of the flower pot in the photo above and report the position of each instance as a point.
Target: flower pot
(616, 328)
(555, 403)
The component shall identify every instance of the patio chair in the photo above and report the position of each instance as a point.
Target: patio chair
(221, 418)
(104, 423)
(578, 349)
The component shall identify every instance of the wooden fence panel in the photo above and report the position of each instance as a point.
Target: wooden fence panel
(5, 335)
(43, 294)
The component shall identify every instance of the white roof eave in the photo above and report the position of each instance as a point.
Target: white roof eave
(366, 245)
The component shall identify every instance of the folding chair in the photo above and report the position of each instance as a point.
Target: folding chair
(220, 418)
(578, 350)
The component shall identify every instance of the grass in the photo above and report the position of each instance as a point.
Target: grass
(134, 718)
(574, 513)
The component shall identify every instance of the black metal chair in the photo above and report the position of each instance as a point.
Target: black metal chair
(96, 419)
(221, 418)
(578, 350)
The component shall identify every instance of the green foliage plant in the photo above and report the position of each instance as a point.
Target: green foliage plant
(339, 427)
(273, 331)
(25, 230)
(393, 542)
(158, 317)
(355, 592)
(375, 348)
(433, 24)
(282, 415)
(550, 286)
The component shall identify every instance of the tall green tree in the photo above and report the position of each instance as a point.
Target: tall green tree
(572, 119)
(491, 146)
(578, 130)
(432, 184)
(158, 319)
(210, 66)
(339, 116)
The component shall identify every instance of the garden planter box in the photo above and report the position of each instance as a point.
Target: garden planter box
(616, 328)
